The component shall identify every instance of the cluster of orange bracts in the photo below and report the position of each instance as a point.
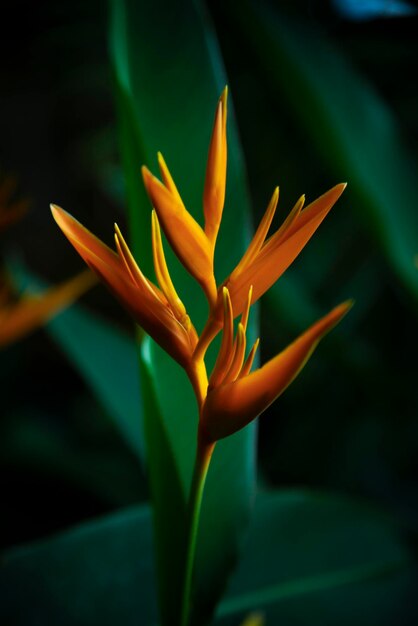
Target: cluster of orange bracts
(233, 395)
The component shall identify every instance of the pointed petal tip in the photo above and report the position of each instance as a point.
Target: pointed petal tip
(345, 306)
(146, 174)
(56, 210)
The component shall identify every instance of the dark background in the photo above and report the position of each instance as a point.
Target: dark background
(350, 423)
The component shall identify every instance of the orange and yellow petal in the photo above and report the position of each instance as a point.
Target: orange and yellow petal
(185, 235)
(87, 245)
(232, 406)
(215, 181)
(279, 252)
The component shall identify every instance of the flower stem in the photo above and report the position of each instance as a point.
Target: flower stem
(203, 456)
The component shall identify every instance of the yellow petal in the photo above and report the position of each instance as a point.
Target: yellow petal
(225, 355)
(260, 234)
(31, 311)
(279, 235)
(278, 253)
(232, 406)
(246, 311)
(167, 178)
(162, 273)
(133, 270)
(215, 182)
(239, 354)
(246, 368)
(186, 237)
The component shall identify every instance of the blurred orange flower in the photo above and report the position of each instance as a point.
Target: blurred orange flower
(19, 315)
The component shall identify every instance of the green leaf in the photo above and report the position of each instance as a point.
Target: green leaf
(169, 504)
(108, 362)
(165, 103)
(98, 573)
(314, 558)
(309, 558)
(352, 129)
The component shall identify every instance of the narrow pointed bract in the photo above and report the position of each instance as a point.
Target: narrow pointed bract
(215, 183)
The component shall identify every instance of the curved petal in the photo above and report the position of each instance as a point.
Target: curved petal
(86, 244)
(232, 406)
(143, 304)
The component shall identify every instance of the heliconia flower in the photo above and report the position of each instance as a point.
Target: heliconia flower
(235, 396)
(21, 316)
(159, 311)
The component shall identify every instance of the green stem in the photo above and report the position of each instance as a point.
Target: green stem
(203, 456)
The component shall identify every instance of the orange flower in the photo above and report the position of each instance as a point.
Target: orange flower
(21, 316)
(233, 396)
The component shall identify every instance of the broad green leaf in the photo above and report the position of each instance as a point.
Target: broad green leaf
(167, 84)
(314, 558)
(107, 360)
(29, 445)
(353, 131)
(309, 559)
(100, 572)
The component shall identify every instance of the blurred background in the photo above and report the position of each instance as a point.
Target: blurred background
(322, 92)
